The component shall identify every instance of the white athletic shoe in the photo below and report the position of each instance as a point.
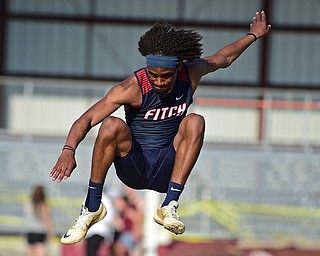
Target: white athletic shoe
(80, 228)
(167, 217)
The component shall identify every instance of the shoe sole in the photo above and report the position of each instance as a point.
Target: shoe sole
(177, 230)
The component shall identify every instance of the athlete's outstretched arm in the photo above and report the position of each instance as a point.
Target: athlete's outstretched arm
(124, 93)
(228, 54)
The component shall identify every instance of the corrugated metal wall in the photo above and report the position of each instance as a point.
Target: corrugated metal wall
(110, 49)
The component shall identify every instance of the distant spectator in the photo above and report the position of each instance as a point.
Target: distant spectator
(129, 226)
(137, 203)
(102, 231)
(38, 223)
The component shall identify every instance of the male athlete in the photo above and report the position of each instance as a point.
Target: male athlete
(158, 145)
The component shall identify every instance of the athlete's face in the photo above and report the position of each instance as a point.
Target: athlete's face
(162, 79)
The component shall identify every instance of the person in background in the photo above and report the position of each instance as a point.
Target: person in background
(38, 221)
(102, 231)
(128, 221)
(138, 203)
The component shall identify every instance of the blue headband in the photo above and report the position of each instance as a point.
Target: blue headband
(162, 61)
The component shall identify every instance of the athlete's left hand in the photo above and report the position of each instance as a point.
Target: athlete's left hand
(259, 25)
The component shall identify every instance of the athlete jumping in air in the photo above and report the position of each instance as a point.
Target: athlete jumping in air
(158, 145)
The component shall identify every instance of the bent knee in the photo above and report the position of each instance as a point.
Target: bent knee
(112, 125)
(195, 121)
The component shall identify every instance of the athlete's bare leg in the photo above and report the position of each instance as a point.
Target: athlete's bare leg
(114, 138)
(187, 143)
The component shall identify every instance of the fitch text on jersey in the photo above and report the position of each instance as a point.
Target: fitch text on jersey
(166, 112)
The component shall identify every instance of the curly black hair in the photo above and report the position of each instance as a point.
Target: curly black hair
(164, 39)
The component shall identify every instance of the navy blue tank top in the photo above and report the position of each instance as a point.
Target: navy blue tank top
(156, 123)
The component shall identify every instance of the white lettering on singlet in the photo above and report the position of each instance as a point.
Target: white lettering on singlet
(163, 113)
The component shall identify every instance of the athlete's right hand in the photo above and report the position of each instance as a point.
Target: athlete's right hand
(64, 167)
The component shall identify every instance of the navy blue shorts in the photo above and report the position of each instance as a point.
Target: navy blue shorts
(146, 168)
